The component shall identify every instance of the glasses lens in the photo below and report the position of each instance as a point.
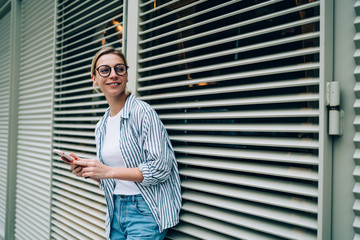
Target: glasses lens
(104, 71)
(120, 69)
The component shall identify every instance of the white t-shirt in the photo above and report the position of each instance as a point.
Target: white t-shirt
(112, 156)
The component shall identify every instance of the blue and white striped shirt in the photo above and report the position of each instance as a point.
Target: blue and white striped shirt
(144, 143)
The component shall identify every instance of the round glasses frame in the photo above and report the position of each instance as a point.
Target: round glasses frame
(110, 68)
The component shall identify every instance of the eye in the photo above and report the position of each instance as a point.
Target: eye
(104, 69)
(120, 68)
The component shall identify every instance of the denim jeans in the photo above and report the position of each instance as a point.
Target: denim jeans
(133, 220)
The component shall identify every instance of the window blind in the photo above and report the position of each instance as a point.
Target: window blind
(236, 84)
(4, 113)
(83, 27)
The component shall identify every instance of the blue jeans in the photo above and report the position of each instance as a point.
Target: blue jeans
(133, 220)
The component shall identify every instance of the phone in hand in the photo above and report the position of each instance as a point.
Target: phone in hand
(64, 156)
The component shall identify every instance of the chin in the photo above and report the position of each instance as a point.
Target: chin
(115, 94)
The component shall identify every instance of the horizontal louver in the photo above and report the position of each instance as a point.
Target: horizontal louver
(236, 84)
(35, 120)
(4, 113)
(83, 27)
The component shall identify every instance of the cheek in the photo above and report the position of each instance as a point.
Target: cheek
(97, 81)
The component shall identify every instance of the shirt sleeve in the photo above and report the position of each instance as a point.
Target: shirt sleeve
(157, 149)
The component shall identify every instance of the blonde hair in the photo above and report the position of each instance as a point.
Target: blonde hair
(104, 51)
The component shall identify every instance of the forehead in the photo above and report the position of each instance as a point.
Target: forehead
(109, 59)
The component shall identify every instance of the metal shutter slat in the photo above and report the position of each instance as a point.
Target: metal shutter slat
(266, 212)
(250, 154)
(259, 19)
(70, 19)
(247, 74)
(71, 84)
(256, 168)
(173, 12)
(249, 222)
(81, 211)
(252, 181)
(227, 52)
(240, 102)
(229, 39)
(244, 114)
(189, 16)
(190, 232)
(243, 75)
(248, 87)
(4, 118)
(248, 141)
(75, 222)
(159, 7)
(76, 133)
(62, 231)
(87, 202)
(72, 140)
(62, 33)
(268, 198)
(33, 175)
(220, 29)
(77, 119)
(245, 127)
(235, 64)
(235, 231)
(73, 8)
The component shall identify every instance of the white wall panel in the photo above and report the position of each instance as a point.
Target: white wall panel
(33, 187)
(356, 173)
(4, 113)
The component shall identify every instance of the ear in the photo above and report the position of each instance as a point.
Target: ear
(94, 80)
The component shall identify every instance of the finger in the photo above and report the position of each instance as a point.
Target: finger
(77, 171)
(85, 173)
(81, 163)
(74, 166)
(66, 160)
(74, 156)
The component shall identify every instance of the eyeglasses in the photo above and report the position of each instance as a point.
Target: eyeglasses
(105, 70)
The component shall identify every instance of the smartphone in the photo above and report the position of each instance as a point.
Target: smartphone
(67, 158)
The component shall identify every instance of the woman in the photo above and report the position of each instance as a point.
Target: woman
(136, 165)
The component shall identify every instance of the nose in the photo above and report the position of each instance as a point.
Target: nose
(113, 73)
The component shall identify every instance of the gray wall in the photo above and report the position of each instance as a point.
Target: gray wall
(344, 66)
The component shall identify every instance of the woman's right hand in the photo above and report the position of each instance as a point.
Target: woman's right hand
(75, 169)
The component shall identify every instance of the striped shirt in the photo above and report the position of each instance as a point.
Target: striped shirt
(144, 143)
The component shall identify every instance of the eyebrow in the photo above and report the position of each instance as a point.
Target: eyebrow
(113, 66)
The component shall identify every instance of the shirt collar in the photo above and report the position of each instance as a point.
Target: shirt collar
(127, 107)
(125, 113)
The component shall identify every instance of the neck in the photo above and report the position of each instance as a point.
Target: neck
(116, 103)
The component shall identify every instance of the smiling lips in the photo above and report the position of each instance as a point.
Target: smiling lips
(113, 84)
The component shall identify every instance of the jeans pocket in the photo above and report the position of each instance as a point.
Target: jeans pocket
(142, 208)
